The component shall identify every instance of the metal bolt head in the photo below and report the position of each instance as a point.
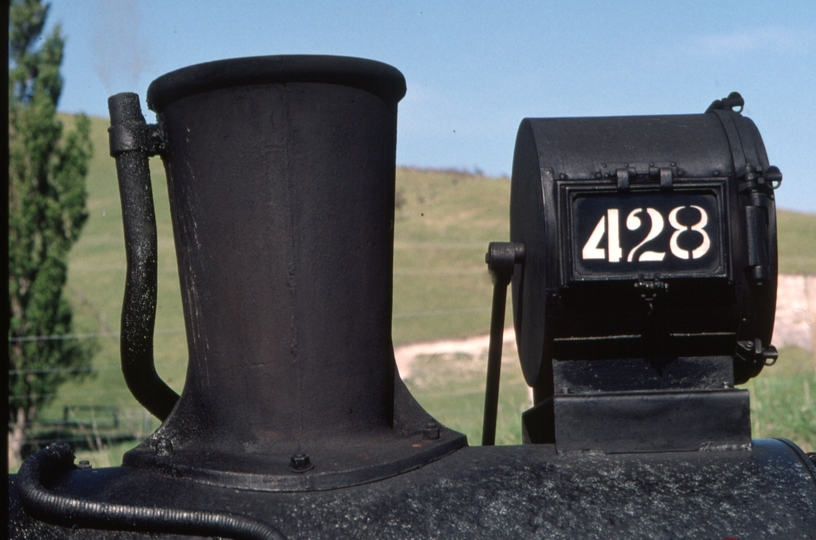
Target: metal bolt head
(164, 447)
(301, 462)
(431, 431)
(84, 464)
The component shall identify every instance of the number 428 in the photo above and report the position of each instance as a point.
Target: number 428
(613, 252)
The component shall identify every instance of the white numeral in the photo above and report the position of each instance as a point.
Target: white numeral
(680, 229)
(633, 223)
(592, 250)
(609, 225)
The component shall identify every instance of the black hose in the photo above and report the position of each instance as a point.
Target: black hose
(132, 141)
(56, 460)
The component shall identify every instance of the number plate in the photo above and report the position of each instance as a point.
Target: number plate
(646, 233)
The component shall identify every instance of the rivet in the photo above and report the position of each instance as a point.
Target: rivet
(562, 176)
(598, 175)
(716, 173)
(84, 464)
(673, 164)
(431, 431)
(727, 384)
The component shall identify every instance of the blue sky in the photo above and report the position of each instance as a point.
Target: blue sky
(475, 69)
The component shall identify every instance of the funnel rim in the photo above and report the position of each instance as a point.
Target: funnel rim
(380, 79)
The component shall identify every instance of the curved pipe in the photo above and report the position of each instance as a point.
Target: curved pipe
(58, 459)
(132, 141)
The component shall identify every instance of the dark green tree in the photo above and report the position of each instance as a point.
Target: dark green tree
(47, 199)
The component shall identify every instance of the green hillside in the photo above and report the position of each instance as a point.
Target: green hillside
(444, 222)
(797, 242)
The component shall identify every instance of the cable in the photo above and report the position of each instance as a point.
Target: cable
(58, 459)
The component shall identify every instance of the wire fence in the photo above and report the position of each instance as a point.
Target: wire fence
(63, 337)
(88, 428)
(181, 330)
(95, 417)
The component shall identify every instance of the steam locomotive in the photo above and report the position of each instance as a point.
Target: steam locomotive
(642, 261)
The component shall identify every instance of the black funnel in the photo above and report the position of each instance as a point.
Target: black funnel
(281, 181)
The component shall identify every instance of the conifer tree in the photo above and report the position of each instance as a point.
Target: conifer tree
(47, 200)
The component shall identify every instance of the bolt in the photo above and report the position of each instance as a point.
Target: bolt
(164, 447)
(727, 384)
(84, 464)
(301, 462)
(565, 390)
(431, 431)
(562, 176)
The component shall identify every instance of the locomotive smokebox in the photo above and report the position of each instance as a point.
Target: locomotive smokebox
(281, 179)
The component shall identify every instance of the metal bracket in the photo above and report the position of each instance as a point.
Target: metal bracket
(755, 179)
(144, 138)
(666, 177)
(753, 351)
(623, 176)
(650, 289)
(756, 239)
(501, 259)
(729, 103)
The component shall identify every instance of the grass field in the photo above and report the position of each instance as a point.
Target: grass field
(444, 222)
